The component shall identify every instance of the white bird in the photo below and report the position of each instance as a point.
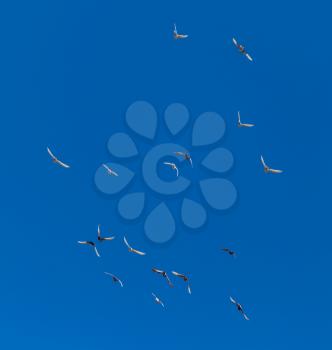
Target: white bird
(242, 50)
(132, 250)
(185, 156)
(185, 279)
(269, 170)
(157, 300)
(173, 166)
(56, 160)
(242, 125)
(100, 238)
(177, 35)
(110, 171)
(92, 244)
(164, 274)
(239, 307)
(114, 278)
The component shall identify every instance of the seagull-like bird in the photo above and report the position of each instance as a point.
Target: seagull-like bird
(173, 166)
(110, 171)
(239, 307)
(269, 170)
(114, 278)
(177, 35)
(242, 50)
(185, 279)
(102, 239)
(56, 160)
(132, 250)
(229, 251)
(92, 244)
(185, 156)
(157, 300)
(164, 274)
(242, 125)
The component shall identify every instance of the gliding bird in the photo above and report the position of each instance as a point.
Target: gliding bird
(242, 50)
(114, 278)
(56, 160)
(164, 274)
(239, 307)
(269, 170)
(177, 35)
(100, 238)
(186, 156)
(92, 244)
(173, 166)
(132, 250)
(185, 279)
(157, 300)
(110, 171)
(242, 125)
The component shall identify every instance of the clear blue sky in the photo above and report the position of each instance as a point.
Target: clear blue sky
(69, 70)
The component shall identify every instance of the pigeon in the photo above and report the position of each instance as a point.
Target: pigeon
(102, 239)
(228, 251)
(242, 50)
(185, 156)
(110, 171)
(157, 300)
(239, 307)
(269, 170)
(92, 244)
(114, 278)
(242, 125)
(185, 279)
(177, 35)
(132, 250)
(164, 274)
(173, 166)
(56, 160)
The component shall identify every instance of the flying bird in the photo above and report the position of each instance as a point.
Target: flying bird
(242, 50)
(164, 274)
(92, 244)
(173, 166)
(56, 160)
(114, 278)
(110, 171)
(229, 251)
(242, 125)
(177, 35)
(239, 307)
(185, 156)
(269, 170)
(102, 239)
(132, 250)
(157, 300)
(185, 279)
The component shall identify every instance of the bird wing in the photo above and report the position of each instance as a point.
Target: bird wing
(114, 173)
(121, 283)
(235, 42)
(178, 274)
(232, 300)
(126, 243)
(191, 162)
(168, 163)
(246, 317)
(262, 160)
(62, 164)
(56, 159)
(138, 252)
(98, 231)
(175, 30)
(96, 251)
(179, 153)
(249, 57)
(154, 295)
(248, 125)
(182, 36)
(108, 238)
(238, 118)
(82, 242)
(157, 271)
(50, 153)
(169, 281)
(177, 171)
(275, 171)
(189, 289)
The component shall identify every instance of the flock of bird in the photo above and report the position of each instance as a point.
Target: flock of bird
(187, 157)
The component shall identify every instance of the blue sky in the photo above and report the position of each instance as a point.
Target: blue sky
(70, 69)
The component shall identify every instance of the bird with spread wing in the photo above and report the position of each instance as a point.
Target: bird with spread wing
(56, 160)
(131, 249)
(242, 49)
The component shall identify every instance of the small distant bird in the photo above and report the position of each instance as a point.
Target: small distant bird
(177, 35)
(242, 49)
(242, 125)
(228, 251)
(164, 274)
(56, 160)
(186, 156)
(157, 300)
(269, 170)
(100, 238)
(173, 166)
(185, 279)
(110, 171)
(132, 250)
(114, 278)
(92, 244)
(239, 307)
